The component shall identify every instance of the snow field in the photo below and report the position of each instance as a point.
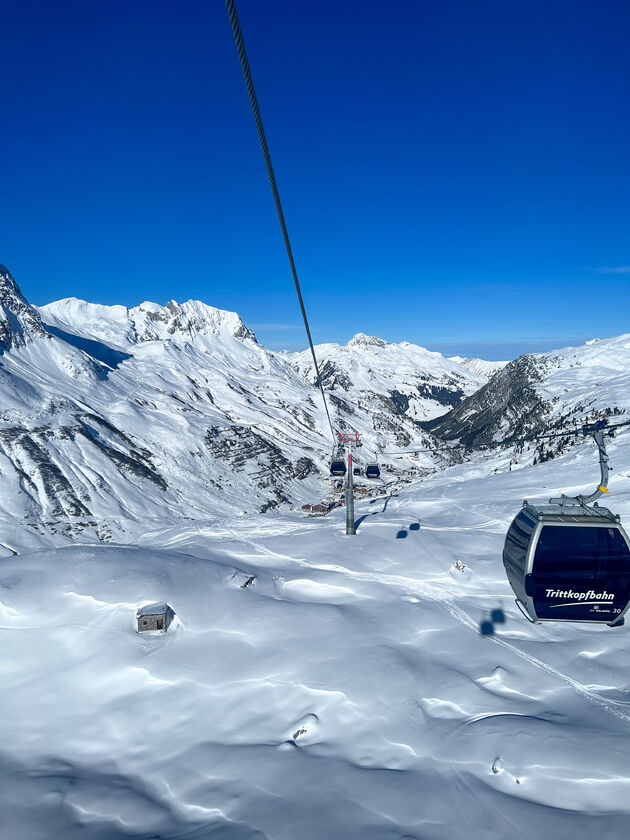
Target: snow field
(345, 692)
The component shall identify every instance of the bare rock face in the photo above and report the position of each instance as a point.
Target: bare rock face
(363, 340)
(507, 407)
(19, 321)
(148, 321)
(187, 319)
(333, 377)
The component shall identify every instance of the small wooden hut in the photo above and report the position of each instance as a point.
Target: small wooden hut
(155, 617)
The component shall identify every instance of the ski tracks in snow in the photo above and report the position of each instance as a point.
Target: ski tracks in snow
(445, 597)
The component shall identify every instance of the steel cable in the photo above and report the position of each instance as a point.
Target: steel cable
(507, 443)
(249, 82)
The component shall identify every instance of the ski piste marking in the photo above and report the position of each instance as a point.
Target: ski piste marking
(268, 551)
(464, 618)
(459, 614)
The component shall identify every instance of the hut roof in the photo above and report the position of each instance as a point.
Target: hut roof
(154, 609)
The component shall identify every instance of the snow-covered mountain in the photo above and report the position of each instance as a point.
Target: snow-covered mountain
(141, 414)
(420, 383)
(541, 392)
(482, 367)
(124, 327)
(391, 386)
(378, 389)
(113, 415)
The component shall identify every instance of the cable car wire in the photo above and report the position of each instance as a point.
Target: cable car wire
(249, 83)
(581, 430)
(532, 566)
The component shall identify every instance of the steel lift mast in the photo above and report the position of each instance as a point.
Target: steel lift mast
(597, 431)
(349, 440)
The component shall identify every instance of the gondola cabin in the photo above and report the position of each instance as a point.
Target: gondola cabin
(338, 467)
(356, 471)
(569, 563)
(372, 471)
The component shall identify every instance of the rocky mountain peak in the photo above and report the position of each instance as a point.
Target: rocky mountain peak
(196, 316)
(19, 321)
(147, 322)
(9, 289)
(361, 339)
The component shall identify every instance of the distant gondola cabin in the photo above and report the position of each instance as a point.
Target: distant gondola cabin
(155, 617)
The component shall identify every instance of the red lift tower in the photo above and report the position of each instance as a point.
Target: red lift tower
(350, 440)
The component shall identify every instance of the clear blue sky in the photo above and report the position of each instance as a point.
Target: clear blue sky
(455, 174)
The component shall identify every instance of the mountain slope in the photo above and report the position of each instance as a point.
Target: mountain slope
(19, 321)
(160, 411)
(396, 383)
(392, 387)
(113, 416)
(543, 391)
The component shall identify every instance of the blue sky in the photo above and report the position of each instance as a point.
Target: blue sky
(454, 174)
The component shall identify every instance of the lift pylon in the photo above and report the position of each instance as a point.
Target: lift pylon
(349, 441)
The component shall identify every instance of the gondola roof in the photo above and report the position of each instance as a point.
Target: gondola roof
(573, 514)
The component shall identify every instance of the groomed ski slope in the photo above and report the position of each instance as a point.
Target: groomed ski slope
(345, 693)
